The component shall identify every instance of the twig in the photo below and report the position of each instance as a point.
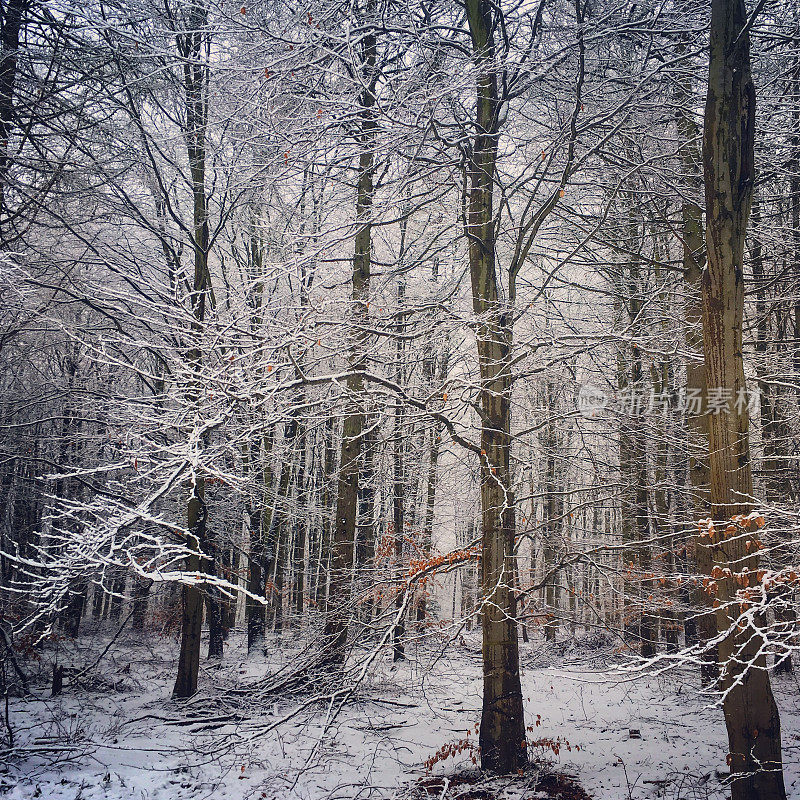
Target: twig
(107, 648)
(20, 674)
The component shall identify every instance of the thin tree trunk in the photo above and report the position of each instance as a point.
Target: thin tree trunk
(230, 568)
(213, 600)
(328, 508)
(97, 601)
(118, 592)
(365, 530)
(399, 478)
(700, 625)
(281, 561)
(344, 527)
(277, 558)
(140, 598)
(552, 518)
(640, 624)
(430, 509)
(260, 523)
(299, 546)
(774, 441)
(298, 586)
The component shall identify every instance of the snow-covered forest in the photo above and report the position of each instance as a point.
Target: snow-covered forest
(399, 399)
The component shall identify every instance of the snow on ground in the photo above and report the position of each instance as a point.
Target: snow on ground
(124, 739)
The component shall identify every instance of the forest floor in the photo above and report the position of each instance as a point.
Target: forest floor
(119, 736)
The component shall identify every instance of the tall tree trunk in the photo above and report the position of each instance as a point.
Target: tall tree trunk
(230, 571)
(98, 594)
(13, 17)
(430, 498)
(118, 593)
(216, 633)
(774, 446)
(468, 576)
(260, 522)
(344, 527)
(502, 730)
(663, 522)
(258, 456)
(365, 529)
(213, 599)
(785, 609)
(700, 625)
(430, 509)
(298, 587)
(72, 612)
(280, 563)
(192, 45)
(328, 508)
(398, 476)
(552, 519)
(634, 506)
(751, 714)
(192, 597)
(278, 540)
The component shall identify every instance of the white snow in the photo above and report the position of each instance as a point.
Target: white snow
(124, 744)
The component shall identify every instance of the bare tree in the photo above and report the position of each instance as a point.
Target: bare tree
(751, 714)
